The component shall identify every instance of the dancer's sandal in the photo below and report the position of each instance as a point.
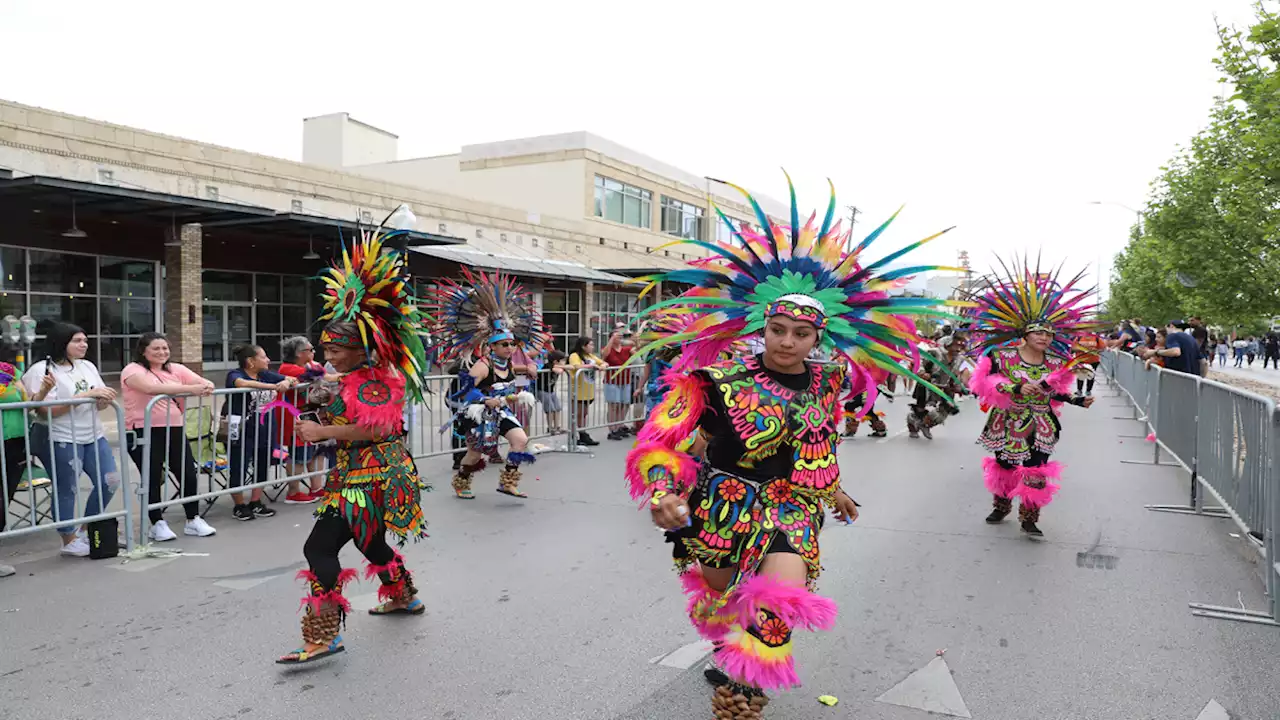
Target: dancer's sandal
(512, 492)
(464, 494)
(302, 657)
(415, 607)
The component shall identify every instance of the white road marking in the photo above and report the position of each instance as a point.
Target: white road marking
(1213, 711)
(931, 688)
(246, 583)
(686, 656)
(883, 440)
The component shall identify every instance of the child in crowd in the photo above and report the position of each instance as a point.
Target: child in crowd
(545, 387)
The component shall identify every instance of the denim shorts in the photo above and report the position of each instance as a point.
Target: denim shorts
(550, 401)
(620, 394)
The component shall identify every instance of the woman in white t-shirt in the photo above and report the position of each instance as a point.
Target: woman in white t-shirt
(69, 439)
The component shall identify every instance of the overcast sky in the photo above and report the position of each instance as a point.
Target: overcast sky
(1003, 118)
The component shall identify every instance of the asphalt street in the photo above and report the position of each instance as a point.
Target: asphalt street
(565, 605)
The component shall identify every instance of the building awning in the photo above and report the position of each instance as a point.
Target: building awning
(109, 202)
(294, 225)
(533, 267)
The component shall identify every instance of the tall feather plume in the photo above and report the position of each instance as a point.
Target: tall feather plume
(732, 288)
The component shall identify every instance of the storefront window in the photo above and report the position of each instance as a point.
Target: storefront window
(611, 308)
(561, 312)
(113, 299)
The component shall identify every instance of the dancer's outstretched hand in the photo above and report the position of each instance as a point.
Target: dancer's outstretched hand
(1088, 400)
(670, 513)
(846, 510)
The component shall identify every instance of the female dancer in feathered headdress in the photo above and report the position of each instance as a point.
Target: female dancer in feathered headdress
(745, 524)
(1025, 324)
(486, 321)
(372, 340)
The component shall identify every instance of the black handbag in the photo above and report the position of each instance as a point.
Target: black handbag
(103, 542)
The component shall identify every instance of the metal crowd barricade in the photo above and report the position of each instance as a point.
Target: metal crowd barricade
(432, 429)
(606, 398)
(54, 457)
(1226, 440)
(167, 455)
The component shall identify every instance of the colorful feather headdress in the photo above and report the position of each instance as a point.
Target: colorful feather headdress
(1018, 299)
(808, 272)
(668, 322)
(488, 308)
(370, 288)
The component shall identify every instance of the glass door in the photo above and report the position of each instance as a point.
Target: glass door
(224, 327)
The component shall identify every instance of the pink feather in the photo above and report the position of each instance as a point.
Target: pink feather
(999, 481)
(696, 588)
(689, 389)
(746, 668)
(682, 467)
(1038, 497)
(794, 604)
(1061, 380)
(1151, 437)
(284, 405)
(983, 384)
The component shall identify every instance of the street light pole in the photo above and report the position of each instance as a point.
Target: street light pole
(1138, 218)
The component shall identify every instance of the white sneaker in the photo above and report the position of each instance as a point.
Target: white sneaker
(198, 527)
(7, 570)
(77, 548)
(160, 532)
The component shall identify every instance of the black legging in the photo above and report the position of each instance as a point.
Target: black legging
(15, 463)
(173, 441)
(328, 536)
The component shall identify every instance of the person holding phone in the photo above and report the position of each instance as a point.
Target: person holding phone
(69, 439)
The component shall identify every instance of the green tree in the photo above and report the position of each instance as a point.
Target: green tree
(1210, 244)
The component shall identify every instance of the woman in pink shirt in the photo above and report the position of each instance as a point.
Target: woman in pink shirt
(152, 374)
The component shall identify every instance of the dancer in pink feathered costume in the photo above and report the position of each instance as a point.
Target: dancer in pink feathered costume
(1025, 326)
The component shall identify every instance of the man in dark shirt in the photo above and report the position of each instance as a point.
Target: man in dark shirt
(1181, 352)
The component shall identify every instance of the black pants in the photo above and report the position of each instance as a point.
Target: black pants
(170, 442)
(1036, 460)
(1081, 384)
(1273, 358)
(15, 464)
(328, 536)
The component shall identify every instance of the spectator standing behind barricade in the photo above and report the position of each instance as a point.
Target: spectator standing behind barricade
(250, 432)
(545, 390)
(69, 439)
(583, 357)
(1181, 352)
(151, 374)
(1162, 336)
(617, 384)
(298, 361)
(1238, 347)
(1251, 352)
(1271, 351)
(1222, 351)
(13, 429)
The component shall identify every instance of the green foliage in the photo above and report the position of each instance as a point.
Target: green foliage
(1209, 245)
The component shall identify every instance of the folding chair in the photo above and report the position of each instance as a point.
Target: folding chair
(38, 489)
(209, 452)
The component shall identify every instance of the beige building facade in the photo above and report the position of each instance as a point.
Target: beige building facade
(574, 213)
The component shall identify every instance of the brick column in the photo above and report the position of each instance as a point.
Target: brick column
(182, 297)
(588, 300)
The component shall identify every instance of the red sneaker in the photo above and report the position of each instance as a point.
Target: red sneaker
(299, 499)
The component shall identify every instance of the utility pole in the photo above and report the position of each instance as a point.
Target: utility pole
(853, 220)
